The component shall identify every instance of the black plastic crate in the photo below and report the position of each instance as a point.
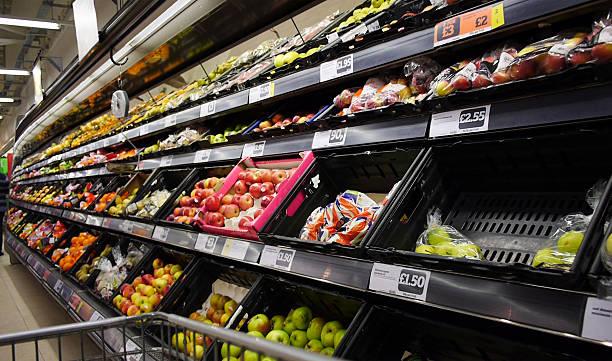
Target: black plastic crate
(277, 296)
(114, 185)
(505, 197)
(145, 266)
(374, 173)
(387, 334)
(134, 186)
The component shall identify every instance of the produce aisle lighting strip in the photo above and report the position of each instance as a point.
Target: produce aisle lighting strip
(14, 72)
(30, 23)
(7, 100)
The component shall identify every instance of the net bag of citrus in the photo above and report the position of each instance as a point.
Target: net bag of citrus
(444, 240)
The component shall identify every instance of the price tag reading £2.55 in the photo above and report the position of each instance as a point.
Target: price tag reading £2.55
(336, 68)
(329, 138)
(401, 281)
(461, 121)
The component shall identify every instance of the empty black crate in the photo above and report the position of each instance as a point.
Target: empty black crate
(277, 296)
(505, 197)
(388, 334)
(373, 173)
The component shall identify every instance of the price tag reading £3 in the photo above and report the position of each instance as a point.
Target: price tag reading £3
(401, 281)
(206, 243)
(336, 68)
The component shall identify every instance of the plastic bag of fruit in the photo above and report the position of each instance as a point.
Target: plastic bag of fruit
(442, 85)
(445, 240)
(359, 101)
(420, 73)
(395, 91)
(565, 242)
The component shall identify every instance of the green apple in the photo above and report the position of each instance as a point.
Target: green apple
(437, 235)
(289, 326)
(570, 242)
(314, 328)
(546, 256)
(234, 351)
(328, 332)
(469, 250)
(314, 346)
(268, 358)
(298, 338)
(377, 3)
(256, 334)
(290, 57)
(250, 356)
(328, 351)
(425, 249)
(290, 315)
(279, 336)
(609, 245)
(338, 337)
(259, 323)
(447, 249)
(279, 60)
(301, 317)
(277, 322)
(230, 359)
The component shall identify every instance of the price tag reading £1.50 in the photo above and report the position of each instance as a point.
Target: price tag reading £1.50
(401, 281)
(277, 257)
(469, 24)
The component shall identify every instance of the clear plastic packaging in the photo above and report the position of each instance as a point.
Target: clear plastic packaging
(441, 85)
(421, 72)
(601, 38)
(369, 90)
(445, 240)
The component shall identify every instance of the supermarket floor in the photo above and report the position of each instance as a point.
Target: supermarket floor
(25, 305)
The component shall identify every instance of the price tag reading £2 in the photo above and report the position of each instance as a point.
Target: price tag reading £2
(336, 68)
(401, 281)
(460, 121)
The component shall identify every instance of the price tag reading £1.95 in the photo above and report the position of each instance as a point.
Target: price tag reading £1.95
(336, 68)
(401, 281)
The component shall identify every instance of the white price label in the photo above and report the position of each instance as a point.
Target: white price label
(166, 161)
(253, 149)
(358, 30)
(329, 138)
(59, 286)
(96, 316)
(161, 233)
(109, 141)
(170, 121)
(261, 92)
(597, 323)
(332, 37)
(94, 221)
(126, 226)
(401, 281)
(336, 68)
(208, 108)
(144, 130)
(277, 257)
(234, 248)
(202, 156)
(373, 26)
(206, 243)
(475, 119)
(131, 346)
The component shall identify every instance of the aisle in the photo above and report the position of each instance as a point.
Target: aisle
(25, 305)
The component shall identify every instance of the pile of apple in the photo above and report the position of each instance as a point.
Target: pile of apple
(188, 205)
(561, 256)
(147, 291)
(217, 314)
(298, 329)
(279, 121)
(249, 196)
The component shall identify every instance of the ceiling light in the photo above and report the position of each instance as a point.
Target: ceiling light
(14, 72)
(7, 100)
(29, 23)
(1, 117)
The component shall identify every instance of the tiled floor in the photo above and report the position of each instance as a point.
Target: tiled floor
(26, 305)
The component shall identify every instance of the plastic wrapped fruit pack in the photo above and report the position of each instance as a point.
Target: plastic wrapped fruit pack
(42, 231)
(149, 205)
(377, 92)
(146, 292)
(114, 268)
(279, 121)
(251, 193)
(27, 229)
(59, 229)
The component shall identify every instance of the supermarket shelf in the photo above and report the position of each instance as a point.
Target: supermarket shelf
(523, 305)
(515, 12)
(77, 302)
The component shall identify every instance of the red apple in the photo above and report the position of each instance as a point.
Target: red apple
(500, 77)
(137, 281)
(246, 202)
(255, 190)
(216, 219)
(580, 57)
(461, 82)
(177, 211)
(171, 218)
(207, 192)
(523, 69)
(258, 213)
(267, 188)
(266, 175)
(231, 211)
(210, 312)
(212, 203)
(242, 175)
(166, 290)
(252, 177)
(481, 81)
(211, 182)
(227, 199)
(147, 279)
(602, 53)
(124, 305)
(245, 222)
(278, 176)
(236, 199)
(199, 194)
(200, 185)
(266, 200)
(133, 310)
(186, 201)
(222, 208)
(552, 63)
(127, 291)
(240, 187)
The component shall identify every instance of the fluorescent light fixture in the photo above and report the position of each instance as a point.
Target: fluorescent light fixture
(27, 23)
(14, 72)
(7, 100)
(1, 117)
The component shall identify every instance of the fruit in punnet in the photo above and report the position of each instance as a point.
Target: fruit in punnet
(212, 203)
(602, 53)
(570, 241)
(580, 57)
(546, 256)
(329, 331)
(425, 249)
(301, 317)
(437, 235)
(246, 202)
(481, 81)
(469, 250)
(314, 346)
(279, 336)
(255, 190)
(240, 187)
(259, 322)
(328, 351)
(278, 176)
(231, 211)
(277, 322)
(186, 201)
(461, 82)
(314, 328)
(298, 338)
(447, 249)
(443, 88)
(338, 337)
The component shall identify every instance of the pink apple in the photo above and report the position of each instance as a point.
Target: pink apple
(216, 219)
(255, 190)
(231, 211)
(236, 199)
(266, 200)
(212, 203)
(267, 188)
(253, 177)
(207, 192)
(227, 199)
(242, 175)
(246, 202)
(240, 187)
(266, 175)
(245, 222)
(279, 176)
(147, 279)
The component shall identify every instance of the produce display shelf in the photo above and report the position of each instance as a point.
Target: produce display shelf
(80, 305)
(516, 12)
(521, 304)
